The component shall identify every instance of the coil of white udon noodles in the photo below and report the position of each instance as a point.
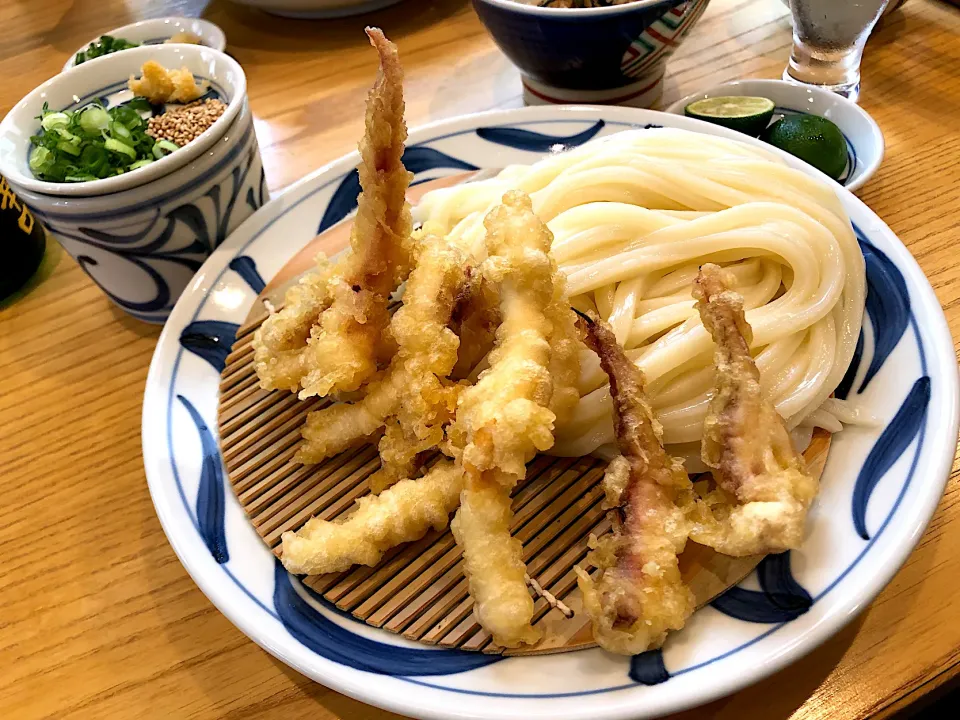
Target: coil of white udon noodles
(634, 215)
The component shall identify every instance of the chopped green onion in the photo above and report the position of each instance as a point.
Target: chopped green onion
(161, 145)
(55, 120)
(104, 46)
(119, 147)
(94, 158)
(120, 131)
(40, 157)
(68, 148)
(67, 135)
(93, 143)
(140, 104)
(127, 116)
(94, 119)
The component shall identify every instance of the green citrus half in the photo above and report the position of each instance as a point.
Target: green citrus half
(813, 139)
(745, 114)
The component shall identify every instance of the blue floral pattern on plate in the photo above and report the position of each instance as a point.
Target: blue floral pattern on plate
(781, 591)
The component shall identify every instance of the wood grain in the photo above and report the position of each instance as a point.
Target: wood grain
(97, 617)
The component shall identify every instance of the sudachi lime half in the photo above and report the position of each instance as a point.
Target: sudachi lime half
(813, 139)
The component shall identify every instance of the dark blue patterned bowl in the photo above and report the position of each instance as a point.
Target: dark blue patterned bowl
(610, 55)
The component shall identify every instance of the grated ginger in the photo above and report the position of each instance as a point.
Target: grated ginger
(159, 85)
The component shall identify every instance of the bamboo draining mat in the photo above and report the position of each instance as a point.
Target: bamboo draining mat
(418, 590)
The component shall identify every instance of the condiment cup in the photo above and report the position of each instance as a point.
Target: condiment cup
(865, 144)
(157, 31)
(141, 235)
(106, 79)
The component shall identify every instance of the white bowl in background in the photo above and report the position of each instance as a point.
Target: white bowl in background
(317, 9)
(865, 144)
(158, 30)
(107, 77)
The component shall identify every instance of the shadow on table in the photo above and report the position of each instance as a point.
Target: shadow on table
(941, 703)
(339, 706)
(251, 29)
(781, 694)
(51, 258)
(130, 323)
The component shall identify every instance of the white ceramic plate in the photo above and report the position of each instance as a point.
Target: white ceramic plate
(880, 487)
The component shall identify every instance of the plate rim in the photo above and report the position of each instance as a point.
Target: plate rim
(935, 329)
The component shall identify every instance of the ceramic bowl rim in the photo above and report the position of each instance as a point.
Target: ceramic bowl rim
(141, 176)
(124, 201)
(217, 33)
(581, 14)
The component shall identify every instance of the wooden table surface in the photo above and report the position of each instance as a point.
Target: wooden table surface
(97, 616)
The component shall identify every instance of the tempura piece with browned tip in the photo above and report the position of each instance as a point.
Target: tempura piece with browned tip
(637, 594)
(413, 388)
(504, 419)
(342, 351)
(403, 513)
(763, 489)
(329, 335)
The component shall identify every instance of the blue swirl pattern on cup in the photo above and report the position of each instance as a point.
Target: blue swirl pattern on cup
(144, 249)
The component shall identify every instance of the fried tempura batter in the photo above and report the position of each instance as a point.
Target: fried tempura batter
(280, 340)
(763, 490)
(413, 387)
(564, 352)
(159, 85)
(401, 514)
(330, 334)
(475, 320)
(504, 419)
(637, 595)
(343, 349)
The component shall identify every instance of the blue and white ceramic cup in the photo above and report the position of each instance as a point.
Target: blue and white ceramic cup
(608, 55)
(141, 236)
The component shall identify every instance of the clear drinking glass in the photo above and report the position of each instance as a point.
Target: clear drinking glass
(828, 40)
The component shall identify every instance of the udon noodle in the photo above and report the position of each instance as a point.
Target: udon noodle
(635, 214)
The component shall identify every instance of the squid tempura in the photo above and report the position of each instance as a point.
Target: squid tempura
(637, 595)
(504, 419)
(763, 489)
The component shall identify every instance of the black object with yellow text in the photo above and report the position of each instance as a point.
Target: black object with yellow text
(22, 242)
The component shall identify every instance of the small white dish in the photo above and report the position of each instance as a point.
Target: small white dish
(864, 140)
(839, 569)
(158, 30)
(106, 78)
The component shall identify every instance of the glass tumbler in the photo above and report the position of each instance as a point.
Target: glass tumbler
(828, 40)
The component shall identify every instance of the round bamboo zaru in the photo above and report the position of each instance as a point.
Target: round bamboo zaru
(418, 590)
